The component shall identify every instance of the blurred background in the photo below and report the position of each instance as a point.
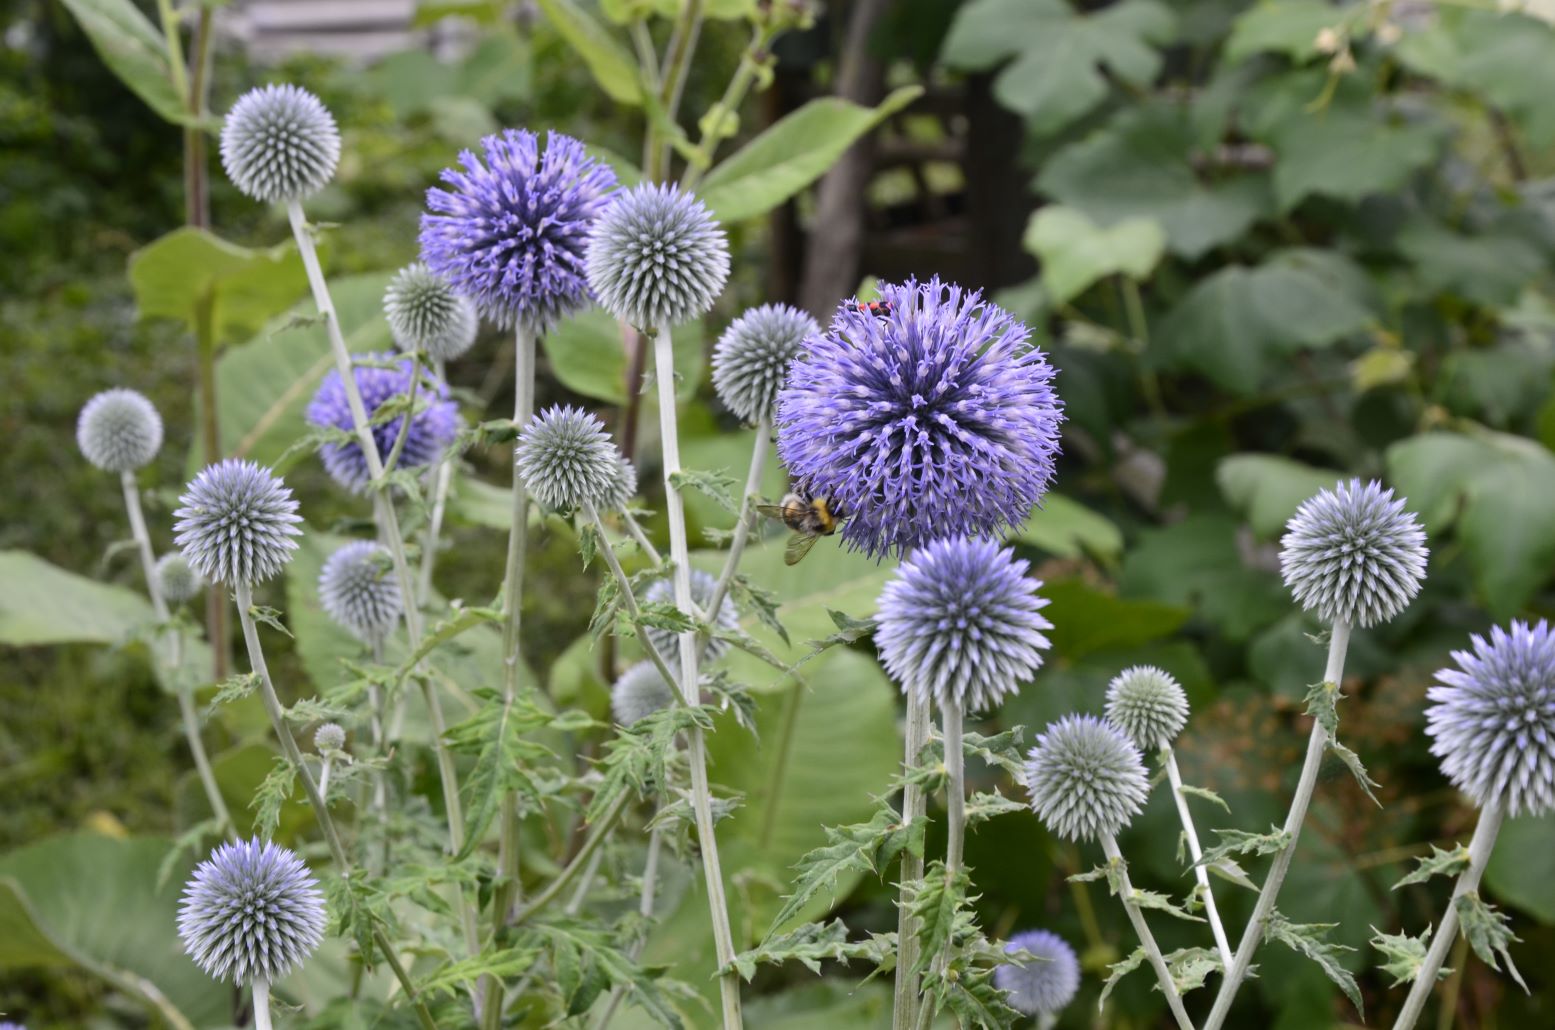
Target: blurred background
(1267, 244)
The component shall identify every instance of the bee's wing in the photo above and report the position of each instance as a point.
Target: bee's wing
(781, 511)
(798, 546)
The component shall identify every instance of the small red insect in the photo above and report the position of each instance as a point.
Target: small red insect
(878, 308)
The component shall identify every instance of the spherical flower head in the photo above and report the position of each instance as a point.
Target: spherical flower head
(329, 738)
(176, 579)
(1044, 983)
(381, 378)
(279, 144)
(1492, 719)
(357, 589)
(119, 430)
(623, 487)
(235, 523)
(641, 691)
(250, 912)
(424, 313)
(751, 358)
(667, 642)
(961, 621)
(565, 458)
(656, 257)
(928, 415)
(6, 1025)
(511, 232)
(1148, 704)
(1353, 554)
(1086, 779)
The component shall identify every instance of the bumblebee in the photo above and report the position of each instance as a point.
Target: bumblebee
(809, 517)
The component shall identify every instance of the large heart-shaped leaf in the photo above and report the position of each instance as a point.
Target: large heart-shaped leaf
(611, 64)
(1508, 57)
(1267, 489)
(134, 50)
(1288, 27)
(175, 274)
(1076, 253)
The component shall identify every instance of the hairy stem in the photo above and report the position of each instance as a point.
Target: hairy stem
(1109, 846)
(628, 599)
(261, 992)
(635, 530)
(955, 825)
(1174, 776)
(907, 1002)
(392, 461)
(202, 762)
(747, 515)
(1317, 743)
(597, 835)
(1480, 846)
(441, 478)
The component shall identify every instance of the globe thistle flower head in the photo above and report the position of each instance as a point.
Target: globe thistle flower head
(667, 642)
(251, 911)
(1148, 704)
(329, 738)
(623, 487)
(565, 458)
(279, 144)
(381, 378)
(511, 231)
(656, 257)
(752, 357)
(7, 1025)
(927, 414)
(357, 589)
(235, 523)
(961, 621)
(176, 579)
(1492, 719)
(1086, 779)
(641, 691)
(119, 430)
(1046, 982)
(424, 313)
(1353, 554)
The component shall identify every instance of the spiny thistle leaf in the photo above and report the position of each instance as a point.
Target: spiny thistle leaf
(1403, 955)
(1240, 842)
(1189, 967)
(814, 943)
(1311, 940)
(505, 759)
(1118, 970)
(271, 795)
(503, 963)
(984, 805)
(1322, 704)
(935, 901)
(1439, 863)
(1352, 761)
(638, 759)
(849, 631)
(763, 603)
(717, 485)
(1003, 750)
(1161, 903)
(1489, 933)
(855, 848)
(235, 688)
(1205, 793)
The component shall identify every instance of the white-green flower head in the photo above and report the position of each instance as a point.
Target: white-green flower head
(656, 257)
(623, 487)
(235, 523)
(666, 641)
(750, 360)
(639, 693)
(119, 430)
(279, 143)
(1149, 705)
(424, 313)
(565, 457)
(329, 738)
(1353, 554)
(176, 579)
(252, 911)
(1086, 779)
(358, 589)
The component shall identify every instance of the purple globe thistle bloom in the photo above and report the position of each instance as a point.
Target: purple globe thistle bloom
(961, 621)
(250, 912)
(359, 591)
(1353, 554)
(1493, 719)
(1086, 779)
(119, 430)
(381, 378)
(928, 415)
(511, 234)
(1044, 983)
(7, 1025)
(235, 523)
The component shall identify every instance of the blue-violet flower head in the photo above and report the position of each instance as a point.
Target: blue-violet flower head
(1353, 554)
(279, 143)
(382, 378)
(656, 257)
(119, 430)
(751, 358)
(1086, 779)
(1044, 983)
(235, 523)
(250, 912)
(358, 589)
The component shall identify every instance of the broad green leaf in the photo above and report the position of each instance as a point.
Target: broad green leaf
(1506, 57)
(611, 64)
(134, 50)
(1196, 563)
(587, 352)
(171, 276)
(1068, 529)
(1075, 253)
(1490, 269)
(415, 81)
(1522, 867)
(1288, 27)
(44, 604)
(792, 154)
(1348, 152)
(1267, 489)
(1086, 620)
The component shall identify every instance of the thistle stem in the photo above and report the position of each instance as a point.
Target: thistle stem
(1174, 776)
(742, 522)
(1109, 846)
(905, 1009)
(955, 824)
(324, 780)
(392, 461)
(597, 834)
(728, 106)
(202, 762)
(696, 745)
(261, 991)
(442, 478)
(1480, 846)
(1252, 936)
(635, 529)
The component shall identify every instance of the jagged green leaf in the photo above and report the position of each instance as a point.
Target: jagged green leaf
(1161, 903)
(1311, 940)
(1002, 750)
(1438, 863)
(813, 943)
(1118, 970)
(1241, 842)
(1489, 932)
(1403, 955)
(859, 847)
(1190, 967)
(1205, 793)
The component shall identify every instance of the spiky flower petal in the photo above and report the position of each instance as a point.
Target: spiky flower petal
(357, 589)
(119, 430)
(1353, 554)
(1086, 779)
(251, 911)
(751, 358)
(424, 313)
(382, 378)
(235, 523)
(279, 143)
(962, 621)
(666, 642)
(656, 257)
(329, 738)
(565, 457)
(931, 417)
(641, 691)
(623, 487)
(1148, 704)
(1046, 982)
(511, 232)
(176, 579)
(1492, 719)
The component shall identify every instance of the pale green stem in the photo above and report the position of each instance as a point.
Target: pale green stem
(1163, 976)
(1480, 846)
(1174, 777)
(742, 522)
(597, 835)
(324, 779)
(728, 106)
(907, 1001)
(955, 823)
(636, 531)
(645, 909)
(1317, 744)
(442, 478)
(177, 72)
(393, 460)
(202, 762)
(696, 745)
(628, 599)
(677, 66)
(261, 991)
